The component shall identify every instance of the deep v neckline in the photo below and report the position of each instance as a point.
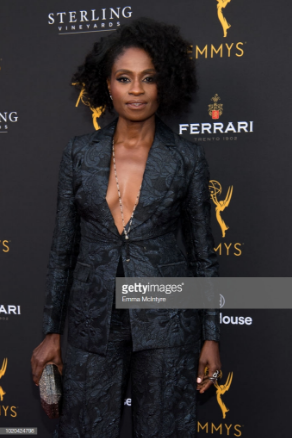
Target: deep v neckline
(114, 219)
(142, 184)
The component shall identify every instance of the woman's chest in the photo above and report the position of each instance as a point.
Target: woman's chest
(161, 173)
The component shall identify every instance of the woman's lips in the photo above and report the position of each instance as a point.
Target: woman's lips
(136, 105)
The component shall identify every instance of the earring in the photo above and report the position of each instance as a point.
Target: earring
(111, 96)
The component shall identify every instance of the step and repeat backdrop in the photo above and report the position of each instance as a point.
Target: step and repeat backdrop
(242, 116)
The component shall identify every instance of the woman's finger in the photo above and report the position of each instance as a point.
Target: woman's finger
(200, 374)
(207, 383)
(37, 367)
(36, 374)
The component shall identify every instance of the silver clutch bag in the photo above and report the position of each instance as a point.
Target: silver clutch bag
(50, 385)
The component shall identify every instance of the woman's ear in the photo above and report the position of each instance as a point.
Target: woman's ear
(109, 88)
(108, 85)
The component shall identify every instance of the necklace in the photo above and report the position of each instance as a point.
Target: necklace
(120, 200)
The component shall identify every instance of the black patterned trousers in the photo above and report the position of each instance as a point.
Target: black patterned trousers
(163, 384)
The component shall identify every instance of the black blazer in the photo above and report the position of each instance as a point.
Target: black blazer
(86, 243)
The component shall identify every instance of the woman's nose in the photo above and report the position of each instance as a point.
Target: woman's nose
(136, 87)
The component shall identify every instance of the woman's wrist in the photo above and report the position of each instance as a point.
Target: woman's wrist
(53, 337)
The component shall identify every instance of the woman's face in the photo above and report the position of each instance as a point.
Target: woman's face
(133, 85)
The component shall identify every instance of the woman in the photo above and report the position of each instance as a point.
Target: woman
(121, 193)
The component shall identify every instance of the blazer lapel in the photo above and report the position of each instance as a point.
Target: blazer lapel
(158, 175)
(95, 175)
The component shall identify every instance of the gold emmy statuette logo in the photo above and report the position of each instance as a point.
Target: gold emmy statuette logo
(220, 390)
(215, 109)
(216, 189)
(220, 6)
(96, 112)
(2, 372)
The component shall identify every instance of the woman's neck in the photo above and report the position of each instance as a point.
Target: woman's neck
(132, 133)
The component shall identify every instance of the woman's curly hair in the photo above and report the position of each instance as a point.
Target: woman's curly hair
(170, 54)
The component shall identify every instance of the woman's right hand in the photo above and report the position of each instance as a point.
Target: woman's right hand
(48, 351)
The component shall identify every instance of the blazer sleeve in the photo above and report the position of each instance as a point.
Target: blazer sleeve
(64, 249)
(198, 237)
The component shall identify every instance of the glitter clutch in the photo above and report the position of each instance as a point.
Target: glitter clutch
(50, 385)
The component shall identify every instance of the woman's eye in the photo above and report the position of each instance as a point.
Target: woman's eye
(150, 79)
(122, 79)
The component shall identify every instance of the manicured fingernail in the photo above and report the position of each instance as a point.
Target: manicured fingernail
(199, 380)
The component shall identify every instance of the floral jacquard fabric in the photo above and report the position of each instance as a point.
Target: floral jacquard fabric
(86, 244)
(163, 382)
(158, 348)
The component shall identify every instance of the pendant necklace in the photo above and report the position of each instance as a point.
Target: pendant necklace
(120, 200)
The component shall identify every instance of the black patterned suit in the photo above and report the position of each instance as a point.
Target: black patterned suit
(161, 347)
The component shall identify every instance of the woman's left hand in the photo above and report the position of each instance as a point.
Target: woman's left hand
(209, 357)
